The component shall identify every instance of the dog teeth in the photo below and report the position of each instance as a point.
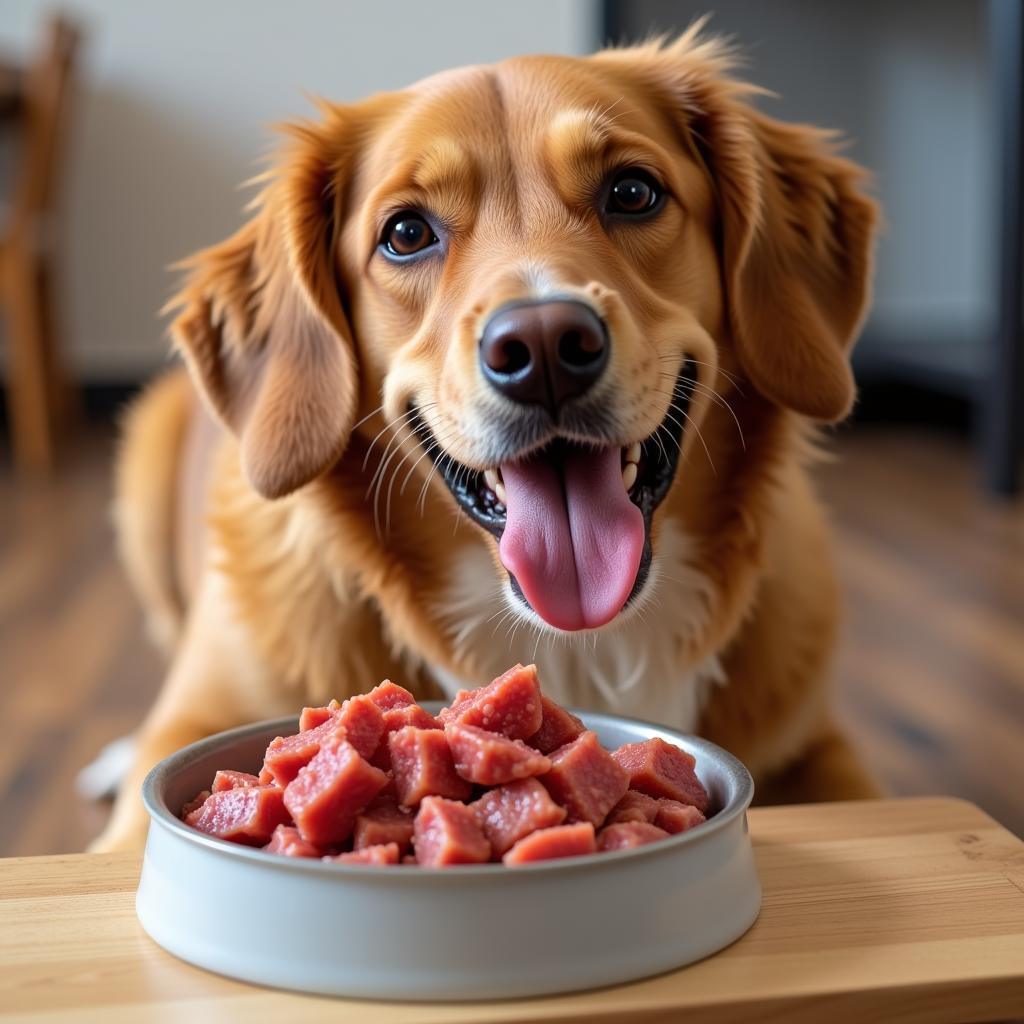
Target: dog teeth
(629, 472)
(492, 478)
(633, 453)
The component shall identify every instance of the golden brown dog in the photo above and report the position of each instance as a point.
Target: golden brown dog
(521, 363)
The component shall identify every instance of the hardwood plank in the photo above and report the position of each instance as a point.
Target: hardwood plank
(930, 672)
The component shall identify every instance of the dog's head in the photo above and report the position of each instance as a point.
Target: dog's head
(551, 273)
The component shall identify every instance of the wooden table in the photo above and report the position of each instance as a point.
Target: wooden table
(909, 910)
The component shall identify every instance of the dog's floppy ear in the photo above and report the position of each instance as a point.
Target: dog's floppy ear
(796, 229)
(263, 329)
(796, 238)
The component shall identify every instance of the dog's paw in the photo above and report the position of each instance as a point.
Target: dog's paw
(102, 777)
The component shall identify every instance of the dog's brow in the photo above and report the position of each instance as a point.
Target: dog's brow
(578, 136)
(445, 167)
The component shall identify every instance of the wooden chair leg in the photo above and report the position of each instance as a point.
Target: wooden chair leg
(64, 404)
(28, 390)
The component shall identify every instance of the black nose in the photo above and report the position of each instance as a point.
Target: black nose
(544, 352)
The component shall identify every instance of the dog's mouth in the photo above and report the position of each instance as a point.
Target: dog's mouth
(573, 520)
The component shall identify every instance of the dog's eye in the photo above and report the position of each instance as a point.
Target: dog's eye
(407, 233)
(633, 192)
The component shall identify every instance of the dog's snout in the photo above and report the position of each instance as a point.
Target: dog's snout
(544, 352)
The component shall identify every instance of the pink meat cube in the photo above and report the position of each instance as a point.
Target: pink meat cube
(557, 727)
(448, 832)
(390, 695)
(363, 722)
(312, 717)
(195, 803)
(585, 779)
(390, 791)
(266, 776)
(409, 714)
(228, 779)
(248, 815)
(422, 766)
(551, 843)
(398, 718)
(287, 842)
(384, 822)
(661, 769)
(379, 856)
(633, 806)
(628, 834)
(328, 793)
(358, 720)
(287, 754)
(510, 812)
(510, 705)
(488, 758)
(675, 817)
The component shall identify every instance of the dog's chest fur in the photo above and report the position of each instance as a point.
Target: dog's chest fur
(641, 667)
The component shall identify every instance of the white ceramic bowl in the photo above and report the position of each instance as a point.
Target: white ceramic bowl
(474, 932)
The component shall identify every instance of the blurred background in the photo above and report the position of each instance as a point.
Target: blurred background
(125, 131)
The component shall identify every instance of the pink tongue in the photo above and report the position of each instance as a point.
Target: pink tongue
(573, 539)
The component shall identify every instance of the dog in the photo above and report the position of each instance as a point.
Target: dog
(523, 363)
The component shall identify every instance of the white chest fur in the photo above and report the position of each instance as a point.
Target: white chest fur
(638, 667)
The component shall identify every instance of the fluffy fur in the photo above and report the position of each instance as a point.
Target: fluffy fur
(312, 551)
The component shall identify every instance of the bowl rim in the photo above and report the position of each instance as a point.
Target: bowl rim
(162, 816)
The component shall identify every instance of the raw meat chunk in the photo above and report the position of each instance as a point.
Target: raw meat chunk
(328, 793)
(228, 779)
(585, 779)
(633, 806)
(675, 817)
(196, 802)
(384, 822)
(363, 722)
(390, 695)
(509, 705)
(513, 811)
(661, 769)
(287, 754)
(448, 832)
(628, 834)
(358, 720)
(287, 842)
(488, 758)
(398, 718)
(557, 727)
(312, 717)
(248, 815)
(386, 853)
(410, 714)
(389, 792)
(551, 843)
(422, 766)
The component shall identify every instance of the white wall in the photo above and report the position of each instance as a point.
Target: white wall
(175, 101)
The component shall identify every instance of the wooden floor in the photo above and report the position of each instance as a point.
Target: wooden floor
(931, 668)
(930, 675)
